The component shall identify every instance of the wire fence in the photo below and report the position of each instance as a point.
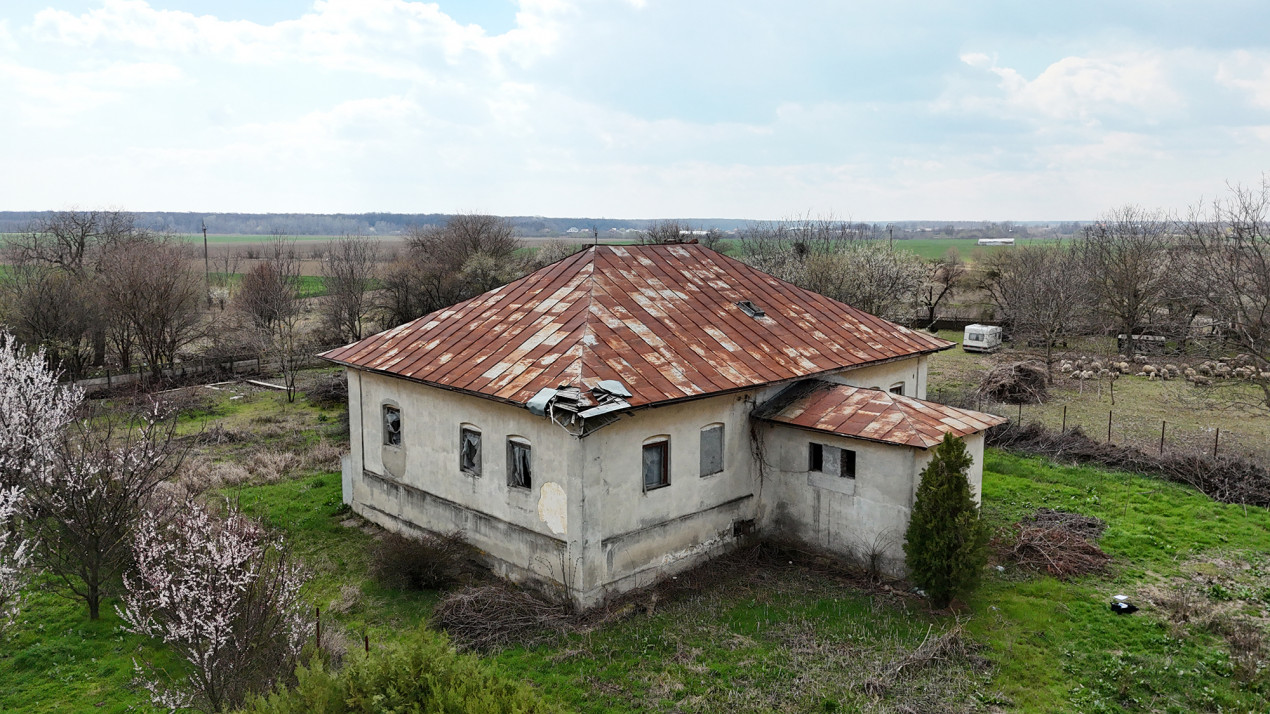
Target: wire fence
(1121, 426)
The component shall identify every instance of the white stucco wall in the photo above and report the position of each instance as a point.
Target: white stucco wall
(587, 522)
(421, 483)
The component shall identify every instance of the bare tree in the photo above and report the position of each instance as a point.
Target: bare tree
(943, 277)
(664, 231)
(270, 295)
(453, 244)
(1228, 255)
(446, 264)
(150, 291)
(1042, 292)
(1128, 257)
(73, 242)
(553, 251)
(83, 513)
(15, 554)
(55, 309)
(349, 266)
(224, 595)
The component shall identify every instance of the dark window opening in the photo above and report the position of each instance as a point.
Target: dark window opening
(831, 460)
(392, 425)
(898, 389)
(712, 450)
(470, 451)
(519, 465)
(656, 465)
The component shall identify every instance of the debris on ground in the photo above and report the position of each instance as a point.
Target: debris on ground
(1057, 543)
(1016, 383)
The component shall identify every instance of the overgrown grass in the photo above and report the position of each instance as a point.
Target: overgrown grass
(310, 286)
(773, 637)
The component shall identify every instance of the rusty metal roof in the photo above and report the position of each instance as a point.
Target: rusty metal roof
(661, 319)
(871, 414)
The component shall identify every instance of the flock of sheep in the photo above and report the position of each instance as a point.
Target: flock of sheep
(1205, 373)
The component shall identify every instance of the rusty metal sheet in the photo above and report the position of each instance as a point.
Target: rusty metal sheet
(872, 414)
(661, 319)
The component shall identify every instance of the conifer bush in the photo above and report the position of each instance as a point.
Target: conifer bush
(946, 545)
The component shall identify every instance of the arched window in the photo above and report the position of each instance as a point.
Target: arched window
(656, 462)
(711, 449)
(519, 463)
(470, 449)
(392, 425)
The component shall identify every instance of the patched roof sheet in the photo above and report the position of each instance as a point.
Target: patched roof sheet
(872, 414)
(660, 319)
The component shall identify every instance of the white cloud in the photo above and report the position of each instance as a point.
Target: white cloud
(57, 98)
(1086, 89)
(1248, 73)
(388, 38)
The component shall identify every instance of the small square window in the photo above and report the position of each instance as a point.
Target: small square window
(656, 465)
(392, 425)
(519, 465)
(712, 449)
(470, 451)
(831, 460)
(897, 389)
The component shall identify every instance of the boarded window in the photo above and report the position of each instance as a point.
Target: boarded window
(656, 465)
(712, 449)
(831, 460)
(470, 451)
(392, 425)
(519, 464)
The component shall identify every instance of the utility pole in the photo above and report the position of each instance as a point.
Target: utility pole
(890, 235)
(207, 267)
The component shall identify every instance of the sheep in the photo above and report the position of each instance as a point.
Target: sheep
(1096, 366)
(1190, 373)
(1172, 370)
(1201, 380)
(1150, 369)
(1205, 368)
(1140, 359)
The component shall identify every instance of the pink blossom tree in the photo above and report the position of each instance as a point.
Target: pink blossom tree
(34, 410)
(103, 479)
(224, 595)
(14, 555)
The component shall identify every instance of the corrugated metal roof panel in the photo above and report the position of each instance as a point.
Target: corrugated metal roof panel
(662, 319)
(871, 414)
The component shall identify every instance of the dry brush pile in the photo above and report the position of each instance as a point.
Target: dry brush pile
(1226, 479)
(1057, 543)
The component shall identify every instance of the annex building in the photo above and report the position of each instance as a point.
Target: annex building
(630, 411)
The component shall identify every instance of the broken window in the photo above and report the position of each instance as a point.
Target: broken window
(519, 464)
(656, 464)
(392, 425)
(712, 449)
(897, 388)
(470, 451)
(831, 460)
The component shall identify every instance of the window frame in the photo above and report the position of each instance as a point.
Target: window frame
(901, 386)
(515, 444)
(816, 453)
(721, 429)
(661, 443)
(390, 436)
(475, 470)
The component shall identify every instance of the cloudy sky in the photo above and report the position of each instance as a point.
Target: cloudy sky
(957, 109)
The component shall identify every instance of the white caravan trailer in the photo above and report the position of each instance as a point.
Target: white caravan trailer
(981, 338)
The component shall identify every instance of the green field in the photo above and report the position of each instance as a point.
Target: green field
(766, 637)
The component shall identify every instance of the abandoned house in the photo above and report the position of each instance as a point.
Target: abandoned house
(630, 411)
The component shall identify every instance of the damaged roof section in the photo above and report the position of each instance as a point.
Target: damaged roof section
(871, 414)
(664, 321)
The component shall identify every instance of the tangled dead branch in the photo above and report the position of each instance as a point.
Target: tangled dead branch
(490, 617)
(1016, 383)
(1226, 479)
(952, 648)
(1056, 551)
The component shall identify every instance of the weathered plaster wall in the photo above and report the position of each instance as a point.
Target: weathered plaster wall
(636, 536)
(420, 483)
(912, 372)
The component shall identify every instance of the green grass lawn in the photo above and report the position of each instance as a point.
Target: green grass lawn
(772, 637)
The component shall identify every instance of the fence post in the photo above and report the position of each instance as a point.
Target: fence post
(1020, 413)
(1108, 426)
(1162, 423)
(1064, 431)
(1216, 438)
(317, 623)
(366, 641)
